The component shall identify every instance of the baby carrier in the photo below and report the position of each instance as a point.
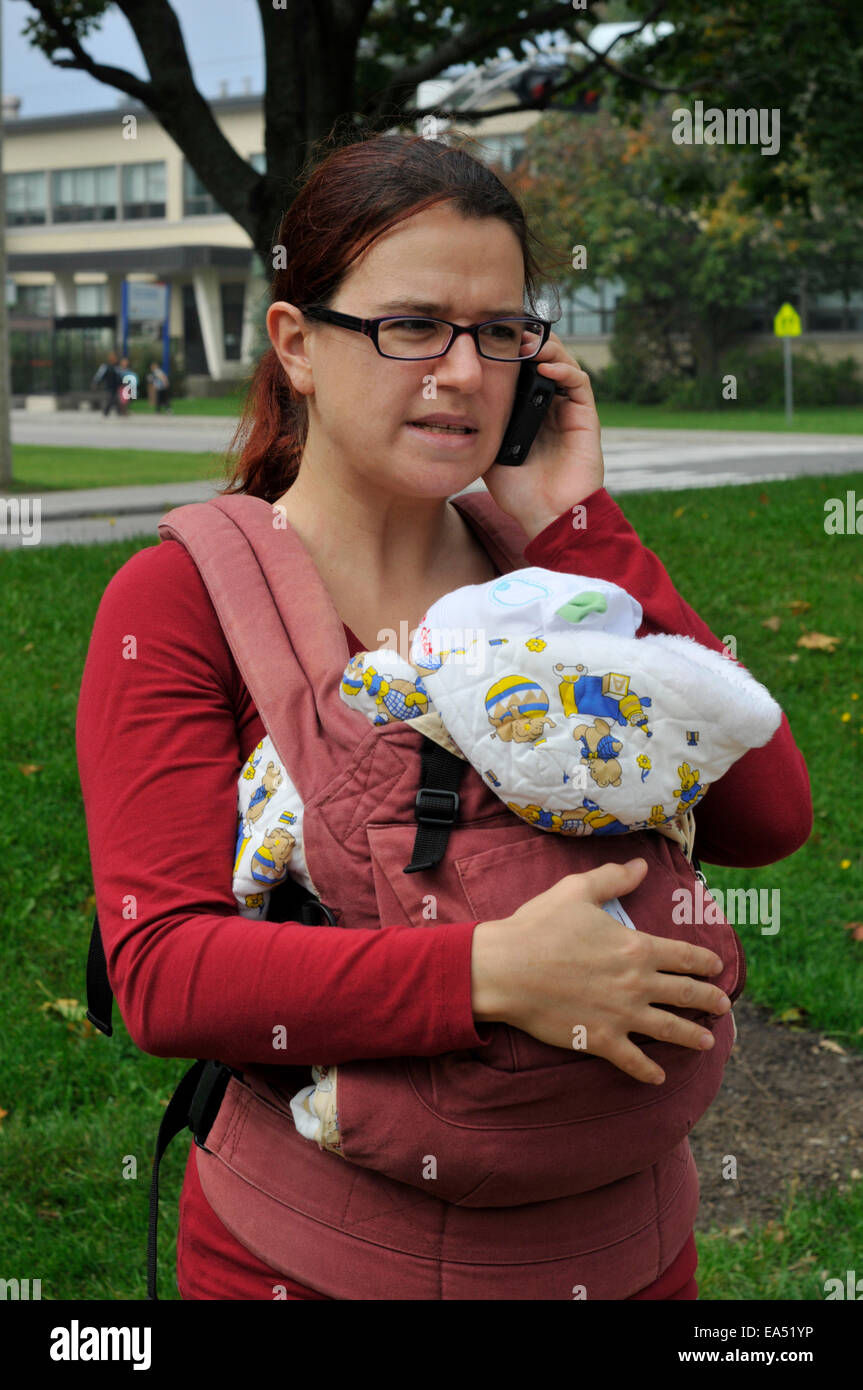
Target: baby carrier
(516, 1166)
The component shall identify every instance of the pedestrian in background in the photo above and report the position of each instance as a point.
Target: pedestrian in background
(108, 377)
(128, 386)
(162, 383)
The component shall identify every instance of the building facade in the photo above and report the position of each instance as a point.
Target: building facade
(97, 198)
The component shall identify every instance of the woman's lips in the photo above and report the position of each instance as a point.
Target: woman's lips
(444, 439)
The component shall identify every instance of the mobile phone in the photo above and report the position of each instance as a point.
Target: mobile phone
(533, 395)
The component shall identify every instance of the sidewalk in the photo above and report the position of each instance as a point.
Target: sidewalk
(122, 501)
(634, 458)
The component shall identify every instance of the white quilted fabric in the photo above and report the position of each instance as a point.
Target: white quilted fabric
(538, 680)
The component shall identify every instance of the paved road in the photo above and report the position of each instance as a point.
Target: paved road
(639, 459)
(89, 429)
(635, 460)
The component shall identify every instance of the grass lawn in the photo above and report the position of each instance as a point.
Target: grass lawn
(195, 405)
(45, 468)
(76, 1105)
(811, 419)
(808, 420)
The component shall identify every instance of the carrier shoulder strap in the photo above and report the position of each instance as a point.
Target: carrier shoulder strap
(196, 1100)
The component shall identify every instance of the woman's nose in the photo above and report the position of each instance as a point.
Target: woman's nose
(462, 365)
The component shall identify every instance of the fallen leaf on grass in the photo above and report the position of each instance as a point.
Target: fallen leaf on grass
(818, 642)
(678, 513)
(856, 930)
(27, 768)
(797, 606)
(830, 1046)
(69, 1009)
(773, 623)
(790, 1017)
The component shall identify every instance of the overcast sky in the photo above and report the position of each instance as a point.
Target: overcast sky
(223, 40)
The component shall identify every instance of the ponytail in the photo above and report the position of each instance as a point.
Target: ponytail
(270, 434)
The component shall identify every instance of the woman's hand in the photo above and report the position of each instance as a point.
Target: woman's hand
(565, 462)
(560, 963)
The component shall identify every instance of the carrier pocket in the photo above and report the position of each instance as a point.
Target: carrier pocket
(519, 1120)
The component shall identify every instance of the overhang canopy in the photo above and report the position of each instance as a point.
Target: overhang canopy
(161, 260)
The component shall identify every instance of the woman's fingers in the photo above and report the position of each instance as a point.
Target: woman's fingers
(668, 1028)
(685, 993)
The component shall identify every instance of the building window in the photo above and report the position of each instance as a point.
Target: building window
(835, 313)
(589, 310)
(258, 163)
(85, 195)
(197, 202)
(36, 301)
(91, 299)
(144, 190)
(233, 300)
(26, 200)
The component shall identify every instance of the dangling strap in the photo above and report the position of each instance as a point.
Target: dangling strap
(436, 807)
(196, 1100)
(100, 996)
(688, 828)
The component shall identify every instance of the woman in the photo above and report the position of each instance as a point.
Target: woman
(337, 435)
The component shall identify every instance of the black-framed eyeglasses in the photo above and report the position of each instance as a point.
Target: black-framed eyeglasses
(414, 337)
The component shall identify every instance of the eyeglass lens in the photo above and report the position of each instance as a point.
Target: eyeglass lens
(505, 339)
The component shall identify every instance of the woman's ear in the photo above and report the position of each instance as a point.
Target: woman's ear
(289, 331)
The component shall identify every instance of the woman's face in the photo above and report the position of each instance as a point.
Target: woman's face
(437, 263)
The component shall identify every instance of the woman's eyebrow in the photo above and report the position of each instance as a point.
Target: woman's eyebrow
(414, 307)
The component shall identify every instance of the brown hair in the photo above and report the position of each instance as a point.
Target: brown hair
(350, 199)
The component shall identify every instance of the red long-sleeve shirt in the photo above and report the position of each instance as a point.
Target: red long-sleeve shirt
(165, 723)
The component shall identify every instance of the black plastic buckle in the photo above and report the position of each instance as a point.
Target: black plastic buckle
(423, 812)
(311, 908)
(208, 1097)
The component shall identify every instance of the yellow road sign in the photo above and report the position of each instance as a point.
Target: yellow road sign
(787, 322)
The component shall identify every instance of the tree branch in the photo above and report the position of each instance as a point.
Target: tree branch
(457, 49)
(171, 95)
(602, 60)
(66, 35)
(472, 41)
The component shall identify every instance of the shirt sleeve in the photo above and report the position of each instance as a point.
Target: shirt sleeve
(761, 810)
(160, 722)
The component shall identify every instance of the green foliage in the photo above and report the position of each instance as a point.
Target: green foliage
(806, 60)
(760, 382)
(672, 225)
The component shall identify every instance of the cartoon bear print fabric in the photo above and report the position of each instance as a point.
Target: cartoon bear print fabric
(538, 680)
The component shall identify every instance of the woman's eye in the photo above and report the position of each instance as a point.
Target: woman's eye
(420, 325)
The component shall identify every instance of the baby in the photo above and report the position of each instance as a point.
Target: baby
(538, 680)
